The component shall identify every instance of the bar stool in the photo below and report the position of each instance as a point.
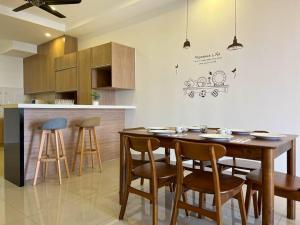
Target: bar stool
(52, 127)
(89, 125)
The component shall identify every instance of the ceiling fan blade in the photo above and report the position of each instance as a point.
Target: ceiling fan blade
(48, 9)
(62, 2)
(22, 7)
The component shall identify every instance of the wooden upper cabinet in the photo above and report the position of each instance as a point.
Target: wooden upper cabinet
(123, 66)
(113, 67)
(66, 80)
(102, 55)
(38, 74)
(58, 47)
(66, 62)
(84, 77)
(39, 70)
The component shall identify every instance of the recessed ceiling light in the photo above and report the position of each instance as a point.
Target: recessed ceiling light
(52, 7)
(47, 34)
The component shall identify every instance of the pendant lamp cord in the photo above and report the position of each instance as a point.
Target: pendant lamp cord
(187, 18)
(235, 16)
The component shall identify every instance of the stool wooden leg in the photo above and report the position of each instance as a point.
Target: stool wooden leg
(97, 148)
(61, 138)
(57, 155)
(39, 158)
(81, 151)
(77, 149)
(91, 147)
(46, 162)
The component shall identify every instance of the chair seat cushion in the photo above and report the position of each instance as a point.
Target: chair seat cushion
(240, 164)
(163, 170)
(203, 181)
(90, 122)
(54, 124)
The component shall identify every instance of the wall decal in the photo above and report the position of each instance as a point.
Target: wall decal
(208, 58)
(214, 84)
(234, 71)
(176, 68)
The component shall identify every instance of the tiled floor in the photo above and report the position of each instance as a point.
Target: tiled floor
(92, 199)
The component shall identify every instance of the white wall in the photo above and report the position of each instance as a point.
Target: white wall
(265, 93)
(11, 80)
(11, 72)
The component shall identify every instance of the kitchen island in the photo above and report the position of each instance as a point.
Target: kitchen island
(22, 134)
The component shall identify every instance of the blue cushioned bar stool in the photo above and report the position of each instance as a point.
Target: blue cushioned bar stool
(52, 128)
(89, 125)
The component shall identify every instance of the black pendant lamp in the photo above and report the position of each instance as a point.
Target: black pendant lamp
(235, 45)
(187, 43)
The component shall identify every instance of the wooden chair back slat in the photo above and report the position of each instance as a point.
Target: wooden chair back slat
(142, 144)
(200, 151)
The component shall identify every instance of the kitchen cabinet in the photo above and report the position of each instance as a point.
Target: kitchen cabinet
(66, 80)
(113, 67)
(39, 70)
(66, 62)
(84, 77)
(102, 55)
(38, 74)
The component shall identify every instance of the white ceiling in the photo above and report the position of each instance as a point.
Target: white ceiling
(82, 19)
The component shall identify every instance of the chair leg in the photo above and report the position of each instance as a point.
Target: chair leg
(219, 214)
(77, 149)
(201, 196)
(124, 201)
(175, 205)
(46, 163)
(81, 151)
(62, 143)
(97, 149)
(255, 204)
(242, 208)
(91, 147)
(155, 205)
(39, 158)
(184, 198)
(142, 158)
(57, 155)
(259, 202)
(248, 197)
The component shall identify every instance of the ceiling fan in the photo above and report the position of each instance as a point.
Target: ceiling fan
(45, 5)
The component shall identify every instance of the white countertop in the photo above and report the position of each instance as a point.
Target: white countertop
(58, 106)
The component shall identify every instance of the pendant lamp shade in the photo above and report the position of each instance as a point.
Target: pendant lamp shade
(235, 44)
(187, 43)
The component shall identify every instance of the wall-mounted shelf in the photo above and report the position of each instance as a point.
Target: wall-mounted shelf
(101, 77)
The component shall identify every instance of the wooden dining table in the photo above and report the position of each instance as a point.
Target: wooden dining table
(251, 148)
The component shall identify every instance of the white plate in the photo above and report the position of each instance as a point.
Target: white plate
(157, 128)
(219, 137)
(268, 136)
(162, 131)
(241, 131)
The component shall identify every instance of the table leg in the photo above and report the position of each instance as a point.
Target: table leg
(291, 169)
(122, 170)
(268, 186)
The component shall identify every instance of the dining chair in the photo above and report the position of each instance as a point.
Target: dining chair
(243, 167)
(142, 158)
(286, 186)
(224, 187)
(159, 174)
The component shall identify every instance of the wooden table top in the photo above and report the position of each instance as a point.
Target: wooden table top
(194, 136)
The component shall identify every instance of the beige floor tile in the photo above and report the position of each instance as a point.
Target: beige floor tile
(23, 221)
(8, 214)
(92, 199)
